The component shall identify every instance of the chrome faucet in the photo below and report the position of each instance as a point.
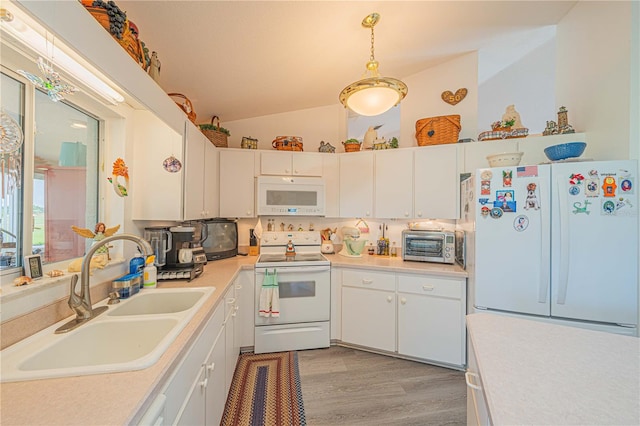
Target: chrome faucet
(81, 303)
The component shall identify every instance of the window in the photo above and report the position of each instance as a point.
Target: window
(59, 177)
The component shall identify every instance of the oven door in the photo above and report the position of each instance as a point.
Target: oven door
(304, 294)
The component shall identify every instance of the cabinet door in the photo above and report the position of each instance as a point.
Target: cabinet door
(193, 410)
(194, 170)
(245, 298)
(331, 175)
(275, 163)
(436, 182)
(477, 411)
(394, 184)
(237, 183)
(356, 184)
(211, 182)
(306, 164)
(231, 356)
(369, 318)
(153, 142)
(216, 394)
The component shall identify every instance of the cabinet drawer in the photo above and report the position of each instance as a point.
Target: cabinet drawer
(368, 279)
(432, 286)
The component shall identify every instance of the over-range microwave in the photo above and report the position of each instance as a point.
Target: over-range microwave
(287, 195)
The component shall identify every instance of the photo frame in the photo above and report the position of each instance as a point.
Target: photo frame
(33, 266)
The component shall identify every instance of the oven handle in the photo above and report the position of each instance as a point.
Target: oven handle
(295, 269)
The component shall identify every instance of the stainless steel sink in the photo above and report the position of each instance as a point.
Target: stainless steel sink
(133, 335)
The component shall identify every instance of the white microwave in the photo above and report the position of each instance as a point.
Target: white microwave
(285, 195)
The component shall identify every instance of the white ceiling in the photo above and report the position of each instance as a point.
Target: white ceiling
(241, 59)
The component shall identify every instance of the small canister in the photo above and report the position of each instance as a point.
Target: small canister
(127, 285)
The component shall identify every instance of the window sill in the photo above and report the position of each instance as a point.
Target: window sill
(16, 301)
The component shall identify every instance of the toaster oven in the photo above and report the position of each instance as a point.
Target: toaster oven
(428, 246)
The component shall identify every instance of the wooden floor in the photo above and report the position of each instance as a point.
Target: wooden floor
(343, 386)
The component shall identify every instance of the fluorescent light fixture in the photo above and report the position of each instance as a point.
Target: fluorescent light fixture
(27, 35)
(78, 125)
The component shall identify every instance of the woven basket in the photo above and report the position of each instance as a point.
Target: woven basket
(287, 143)
(185, 105)
(129, 40)
(438, 130)
(216, 137)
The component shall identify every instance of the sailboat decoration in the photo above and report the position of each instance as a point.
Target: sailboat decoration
(50, 82)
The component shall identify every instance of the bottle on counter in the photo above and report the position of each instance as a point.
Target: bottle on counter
(150, 273)
(371, 250)
(136, 264)
(394, 250)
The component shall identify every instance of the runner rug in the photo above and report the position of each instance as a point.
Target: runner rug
(265, 391)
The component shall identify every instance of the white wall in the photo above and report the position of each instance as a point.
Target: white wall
(326, 123)
(423, 99)
(593, 75)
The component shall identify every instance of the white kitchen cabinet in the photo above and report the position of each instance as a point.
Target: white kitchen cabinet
(431, 313)
(369, 309)
(356, 184)
(232, 339)
(244, 320)
(215, 387)
(394, 183)
(201, 194)
(436, 182)
(477, 411)
(331, 177)
(288, 163)
(156, 194)
(237, 183)
(186, 390)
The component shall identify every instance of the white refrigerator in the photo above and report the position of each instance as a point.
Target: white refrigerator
(555, 242)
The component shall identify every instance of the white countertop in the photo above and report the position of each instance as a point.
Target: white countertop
(118, 398)
(547, 374)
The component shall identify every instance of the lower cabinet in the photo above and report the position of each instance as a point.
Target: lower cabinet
(232, 338)
(369, 309)
(477, 411)
(414, 315)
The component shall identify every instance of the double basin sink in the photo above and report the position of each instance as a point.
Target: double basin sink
(130, 335)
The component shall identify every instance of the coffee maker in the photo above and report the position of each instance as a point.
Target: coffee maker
(183, 259)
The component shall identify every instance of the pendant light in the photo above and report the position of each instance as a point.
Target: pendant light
(373, 94)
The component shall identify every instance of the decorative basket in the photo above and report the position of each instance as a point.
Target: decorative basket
(351, 146)
(565, 150)
(217, 137)
(438, 130)
(287, 143)
(186, 105)
(129, 40)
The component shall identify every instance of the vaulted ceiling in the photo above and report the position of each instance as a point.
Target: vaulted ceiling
(241, 59)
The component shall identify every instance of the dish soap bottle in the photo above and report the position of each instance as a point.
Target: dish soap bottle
(150, 273)
(136, 264)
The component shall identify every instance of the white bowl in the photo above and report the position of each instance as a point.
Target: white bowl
(505, 159)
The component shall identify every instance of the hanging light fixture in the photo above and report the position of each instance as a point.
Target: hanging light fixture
(373, 94)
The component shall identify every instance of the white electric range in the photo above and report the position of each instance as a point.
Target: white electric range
(304, 287)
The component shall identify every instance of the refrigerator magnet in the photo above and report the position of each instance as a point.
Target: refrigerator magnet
(592, 187)
(507, 175)
(505, 200)
(531, 202)
(483, 201)
(496, 213)
(609, 186)
(622, 203)
(486, 175)
(626, 185)
(574, 190)
(520, 223)
(485, 211)
(581, 207)
(576, 179)
(485, 187)
(608, 207)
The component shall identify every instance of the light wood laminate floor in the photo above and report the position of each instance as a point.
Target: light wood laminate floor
(344, 386)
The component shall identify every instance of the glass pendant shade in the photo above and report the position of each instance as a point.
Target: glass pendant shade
(374, 94)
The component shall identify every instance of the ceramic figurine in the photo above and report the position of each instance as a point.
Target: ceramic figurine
(326, 147)
(101, 232)
(154, 68)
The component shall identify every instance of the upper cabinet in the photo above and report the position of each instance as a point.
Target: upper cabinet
(157, 193)
(201, 178)
(436, 182)
(331, 175)
(394, 183)
(356, 184)
(237, 183)
(287, 163)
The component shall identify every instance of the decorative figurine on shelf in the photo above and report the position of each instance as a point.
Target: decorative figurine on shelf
(326, 147)
(290, 227)
(512, 116)
(101, 232)
(291, 249)
(562, 127)
(154, 68)
(281, 226)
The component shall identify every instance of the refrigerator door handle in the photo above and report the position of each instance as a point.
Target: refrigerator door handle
(543, 287)
(563, 276)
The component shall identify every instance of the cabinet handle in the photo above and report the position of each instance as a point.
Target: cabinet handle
(467, 376)
(211, 367)
(419, 214)
(389, 299)
(231, 301)
(368, 214)
(403, 300)
(295, 172)
(248, 212)
(406, 214)
(286, 171)
(203, 384)
(239, 287)
(367, 281)
(427, 287)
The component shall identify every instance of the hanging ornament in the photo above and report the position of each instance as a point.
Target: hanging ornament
(120, 169)
(172, 164)
(11, 138)
(51, 81)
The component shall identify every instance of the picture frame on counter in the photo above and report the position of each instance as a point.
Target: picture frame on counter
(33, 266)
